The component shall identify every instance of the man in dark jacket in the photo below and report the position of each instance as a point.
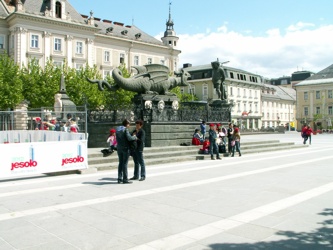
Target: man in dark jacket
(123, 139)
(230, 133)
(138, 152)
(213, 144)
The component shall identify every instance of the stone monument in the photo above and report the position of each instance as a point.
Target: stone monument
(63, 106)
(220, 105)
(152, 84)
(218, 77)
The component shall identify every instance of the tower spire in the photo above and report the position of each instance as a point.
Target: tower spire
(169, 23)
(170, 37)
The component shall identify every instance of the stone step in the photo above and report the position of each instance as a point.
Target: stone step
(164, 155)
(162, 152)
(148, 154)
(97, 152)
(255, 150)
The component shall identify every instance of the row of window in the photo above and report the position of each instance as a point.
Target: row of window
(191, 90)
(79, 50)
(247, 108)
(244, 93)
(34, 43)
(276, 105)
(318, 110)
(243, 77)
(329, 94)
(277, 116)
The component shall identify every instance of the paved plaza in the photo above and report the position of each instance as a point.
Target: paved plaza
(275, 200)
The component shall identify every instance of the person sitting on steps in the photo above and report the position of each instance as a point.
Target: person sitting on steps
(113, 143)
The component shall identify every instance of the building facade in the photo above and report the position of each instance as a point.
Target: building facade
(278, 106)
(315, 100)
(54, 30)
(256, 104)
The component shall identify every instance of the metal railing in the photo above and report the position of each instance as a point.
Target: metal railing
(185, 113)
(44, 119)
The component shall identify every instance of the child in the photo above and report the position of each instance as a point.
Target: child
(73, 127)
(205, 147)
(113, 143)
(225, 132)
(203, 129)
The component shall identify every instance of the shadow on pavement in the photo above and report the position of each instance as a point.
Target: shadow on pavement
(103, 181)
(319, 239)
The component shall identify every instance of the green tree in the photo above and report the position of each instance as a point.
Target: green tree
(40, 85)
(316, 117)
(80, 90)
(10, 83)
(184, 97)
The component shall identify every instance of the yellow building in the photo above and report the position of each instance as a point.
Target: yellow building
(315, 100)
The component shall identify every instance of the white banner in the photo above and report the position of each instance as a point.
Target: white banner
(19, 159)
(22, 136)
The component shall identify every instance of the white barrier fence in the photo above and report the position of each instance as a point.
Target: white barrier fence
(29, 152)
(20, 159)
(22, 136)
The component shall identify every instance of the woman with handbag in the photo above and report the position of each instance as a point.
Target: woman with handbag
(235, 143)
(137, 153)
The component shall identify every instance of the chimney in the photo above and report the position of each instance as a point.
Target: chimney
(187, 65)
(119, 24)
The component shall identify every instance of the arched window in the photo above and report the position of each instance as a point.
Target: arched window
(58, 9)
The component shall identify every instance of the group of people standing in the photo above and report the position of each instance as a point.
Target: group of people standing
(217, 135)
(129, 144)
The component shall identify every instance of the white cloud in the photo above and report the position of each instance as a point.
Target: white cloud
(273, 32)
(272, 55)
(223, 29)
(299, 26)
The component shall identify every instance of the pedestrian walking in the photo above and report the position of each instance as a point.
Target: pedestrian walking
(308, 132)
(304, 134)
(230, 132)
(123, 138)
(236, 142)
(213, 147)
(139, 163)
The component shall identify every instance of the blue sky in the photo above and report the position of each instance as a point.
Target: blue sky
(272, 38)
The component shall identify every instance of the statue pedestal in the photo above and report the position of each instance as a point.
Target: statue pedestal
(155, 108)
(220, 110)
(219, 103)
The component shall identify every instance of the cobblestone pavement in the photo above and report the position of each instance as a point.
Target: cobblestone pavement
(276, 200)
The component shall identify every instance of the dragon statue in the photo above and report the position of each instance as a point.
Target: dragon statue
(150, 79)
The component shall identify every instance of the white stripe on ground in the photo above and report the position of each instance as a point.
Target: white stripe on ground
(214, 165)
(18, 214)
(211, 229)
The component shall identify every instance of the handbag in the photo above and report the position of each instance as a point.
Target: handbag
(132, 145)
(233, 143)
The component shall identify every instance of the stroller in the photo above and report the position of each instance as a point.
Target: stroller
(108, 151)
